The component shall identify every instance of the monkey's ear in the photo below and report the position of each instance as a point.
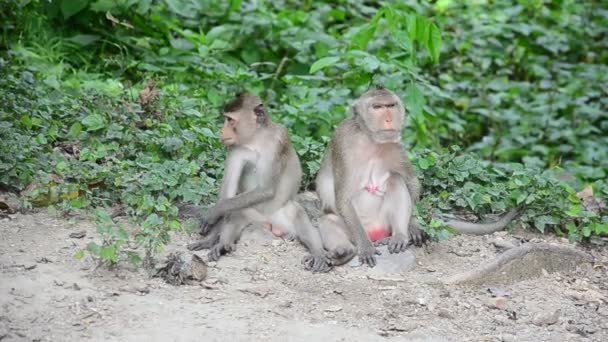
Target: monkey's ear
(261, 116)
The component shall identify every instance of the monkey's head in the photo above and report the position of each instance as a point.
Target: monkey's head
(381, 113)
(243, 116)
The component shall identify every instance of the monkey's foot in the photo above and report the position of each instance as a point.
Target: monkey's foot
(204, 227)
(201, 244)
(317, 263)
(417, 236)
(397, 243)
(220, 249)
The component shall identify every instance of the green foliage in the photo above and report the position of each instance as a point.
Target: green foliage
(519, 85)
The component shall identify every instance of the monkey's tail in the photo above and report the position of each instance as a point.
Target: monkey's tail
(464, 227)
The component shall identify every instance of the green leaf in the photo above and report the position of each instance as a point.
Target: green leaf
(133, 258)
(363, 36)
(26, 121)
(84, 39)
(422, 29)
(108, 253)
(414, 101)
(94, 248)
(433, 43)
(79, 254)
(522, 197)
(94, 122)
(71, 7)
(235, 5)
(75, 129)
(323, 63)
(424, 163)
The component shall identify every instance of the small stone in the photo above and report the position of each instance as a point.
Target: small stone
(333, 308)
(78, 235)
(503, 244)
(445, 314)
(507, 338)
(500, 303)
(546, 318)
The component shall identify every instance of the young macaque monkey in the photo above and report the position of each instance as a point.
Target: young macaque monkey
(368, 188)
(261, 178)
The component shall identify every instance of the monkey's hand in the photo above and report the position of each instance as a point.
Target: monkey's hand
(318, 263)
(220, 249)
(397, 243)
(367, 253)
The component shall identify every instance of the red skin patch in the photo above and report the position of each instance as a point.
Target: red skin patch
(378, 233)
(276, 231)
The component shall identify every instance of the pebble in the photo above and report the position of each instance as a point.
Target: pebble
(500, 303)
(546, 318)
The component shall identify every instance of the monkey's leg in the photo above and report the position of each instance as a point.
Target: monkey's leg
(228, 236)
(207, 242)
(397, 209)
(318, 260)
(336, 239)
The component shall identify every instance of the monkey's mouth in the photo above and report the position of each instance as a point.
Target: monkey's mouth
(228, 141)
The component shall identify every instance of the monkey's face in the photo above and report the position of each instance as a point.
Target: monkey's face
(239, 127)
(384, 116)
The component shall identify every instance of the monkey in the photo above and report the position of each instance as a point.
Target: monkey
(367, 185)
(262, 175)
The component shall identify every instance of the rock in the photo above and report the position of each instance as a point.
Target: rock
(388, 263)
(546, 317)
(178, 270)
(507, 338)
(29, 267)
(503, 244)
(500, 303)
(393, 263)
(78, 235)
(498, 292)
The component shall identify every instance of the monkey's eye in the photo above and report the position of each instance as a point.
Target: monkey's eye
(391, 105)
(376, 106)
(230, 120)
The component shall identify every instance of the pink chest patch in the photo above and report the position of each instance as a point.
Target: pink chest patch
(371, 188)
(378, 233)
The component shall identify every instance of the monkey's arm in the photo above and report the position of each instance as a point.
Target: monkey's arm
(235, 163)
(262, 193)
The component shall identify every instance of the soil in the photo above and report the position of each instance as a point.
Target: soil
(261, 292)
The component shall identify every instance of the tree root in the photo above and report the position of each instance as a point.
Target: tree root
(525, 262)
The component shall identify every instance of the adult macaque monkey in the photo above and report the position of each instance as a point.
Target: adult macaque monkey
(261, 178)
(367, 185)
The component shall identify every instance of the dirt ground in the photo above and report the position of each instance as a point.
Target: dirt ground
(262, 293)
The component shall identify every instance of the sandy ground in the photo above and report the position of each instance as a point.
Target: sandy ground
(262, 293)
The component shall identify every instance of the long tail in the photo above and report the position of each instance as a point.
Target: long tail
(464, 227)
